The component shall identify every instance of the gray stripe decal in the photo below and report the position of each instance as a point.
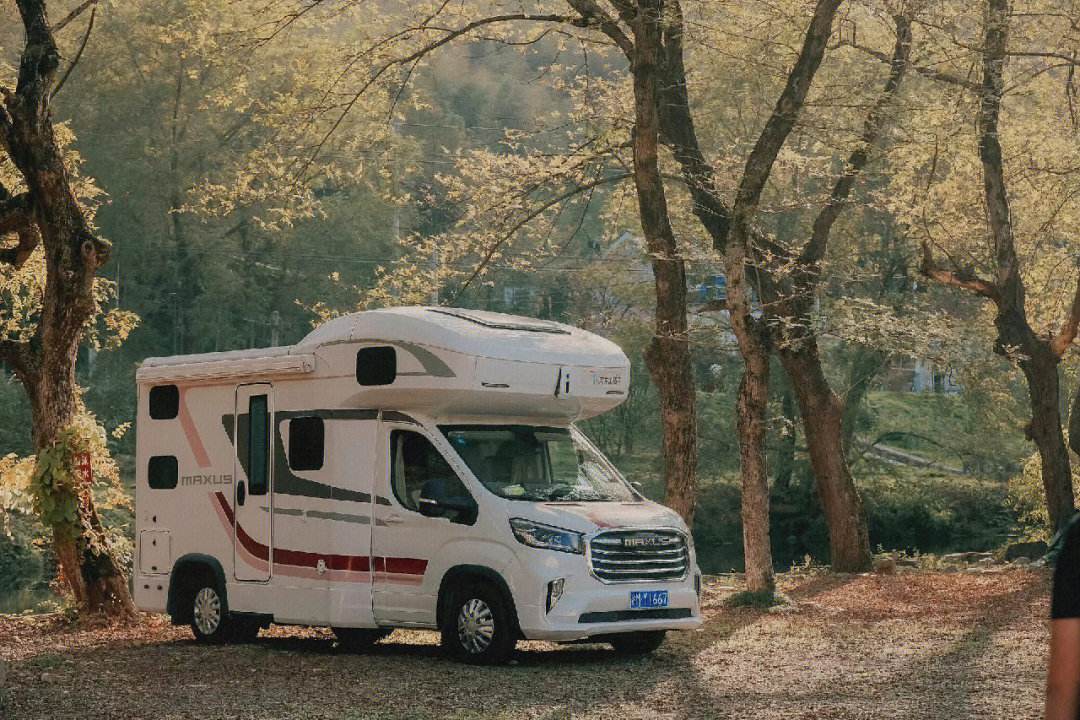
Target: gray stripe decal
(340, 517)
(431, 362)
(322, 515)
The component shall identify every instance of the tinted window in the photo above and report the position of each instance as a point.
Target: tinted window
(164, 402)
(418, 469)
(258, 444)
(161, 472)
(306, 443)
(376, 365)
(520, 462)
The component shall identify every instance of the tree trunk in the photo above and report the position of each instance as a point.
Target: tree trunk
(668, 355)
(73, 254)
(822, 415)
(1045, 431)
(751, 408)
(89, 571)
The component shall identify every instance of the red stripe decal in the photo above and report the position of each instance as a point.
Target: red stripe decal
(405, 566)
(191, 433)
(304, 559)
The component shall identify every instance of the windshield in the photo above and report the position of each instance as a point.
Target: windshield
(519, 462)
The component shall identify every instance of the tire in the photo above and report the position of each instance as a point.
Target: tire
(209, 618)
(637, 643)
(359, 638)
(478, 627)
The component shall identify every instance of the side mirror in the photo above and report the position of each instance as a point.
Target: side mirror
(637, 486)
(464, 506)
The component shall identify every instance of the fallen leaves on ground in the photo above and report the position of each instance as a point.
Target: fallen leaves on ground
(912, 645)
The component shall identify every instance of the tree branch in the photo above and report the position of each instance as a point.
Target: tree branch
(760, 162)
(531, 215)
(78, 54)
(1064, 337)
(960, 278)
(592, 15)
(677, 130)
(79, 10)
(448, 36)
(918, 69)
(875, 120)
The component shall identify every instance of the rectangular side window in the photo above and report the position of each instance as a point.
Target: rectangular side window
(164, 402)
(258, 445)
(307, 440)
(162, 473)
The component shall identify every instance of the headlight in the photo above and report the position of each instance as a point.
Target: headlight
(538, 535)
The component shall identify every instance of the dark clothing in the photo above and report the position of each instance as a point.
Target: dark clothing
(1065, 602)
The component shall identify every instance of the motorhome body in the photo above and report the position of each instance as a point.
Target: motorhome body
(407, 467)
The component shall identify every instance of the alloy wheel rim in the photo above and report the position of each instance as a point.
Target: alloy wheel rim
(207, 611)
(476, 626)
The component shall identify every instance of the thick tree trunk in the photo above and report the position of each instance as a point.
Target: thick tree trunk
(1041, 373)
(89, 571)
(822, 414)
(668, 361)
(73, 253)
(668, 355)
(751, 408)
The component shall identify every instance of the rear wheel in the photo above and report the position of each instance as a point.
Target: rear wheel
(637, 643)
(359, 638)
(478, 627)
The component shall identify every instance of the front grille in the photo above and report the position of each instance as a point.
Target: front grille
(635, 555)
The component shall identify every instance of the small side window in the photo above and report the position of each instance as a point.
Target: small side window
(307, 441)
(258, 445)
(376, 365)
(164, 402)
(162, 473)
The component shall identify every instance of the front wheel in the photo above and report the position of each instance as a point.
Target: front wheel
(637, 643)
(208, 620)
(478, 628)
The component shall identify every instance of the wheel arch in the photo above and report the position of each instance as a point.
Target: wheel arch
(459, 573)
(185, 567)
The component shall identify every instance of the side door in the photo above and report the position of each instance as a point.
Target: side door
(253, 554)
(353, 446)
(404, 540)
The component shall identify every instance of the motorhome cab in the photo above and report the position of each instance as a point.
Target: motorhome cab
(408, 467)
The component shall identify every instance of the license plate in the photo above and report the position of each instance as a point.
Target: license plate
(642, 599)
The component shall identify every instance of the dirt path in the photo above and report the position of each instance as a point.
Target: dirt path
(906, 646)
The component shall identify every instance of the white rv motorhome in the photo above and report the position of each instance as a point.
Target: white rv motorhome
(407, 467)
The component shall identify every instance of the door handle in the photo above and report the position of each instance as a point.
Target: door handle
(241, 493)
(394, 519)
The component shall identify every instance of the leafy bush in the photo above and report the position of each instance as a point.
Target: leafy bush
(913, 511)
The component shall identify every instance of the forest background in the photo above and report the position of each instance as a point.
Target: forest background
(258, 168)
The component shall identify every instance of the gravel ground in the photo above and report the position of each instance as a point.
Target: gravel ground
(913, 645)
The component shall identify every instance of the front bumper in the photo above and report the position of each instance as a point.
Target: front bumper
(589, 608)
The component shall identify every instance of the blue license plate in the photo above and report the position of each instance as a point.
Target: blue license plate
(642, 599)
